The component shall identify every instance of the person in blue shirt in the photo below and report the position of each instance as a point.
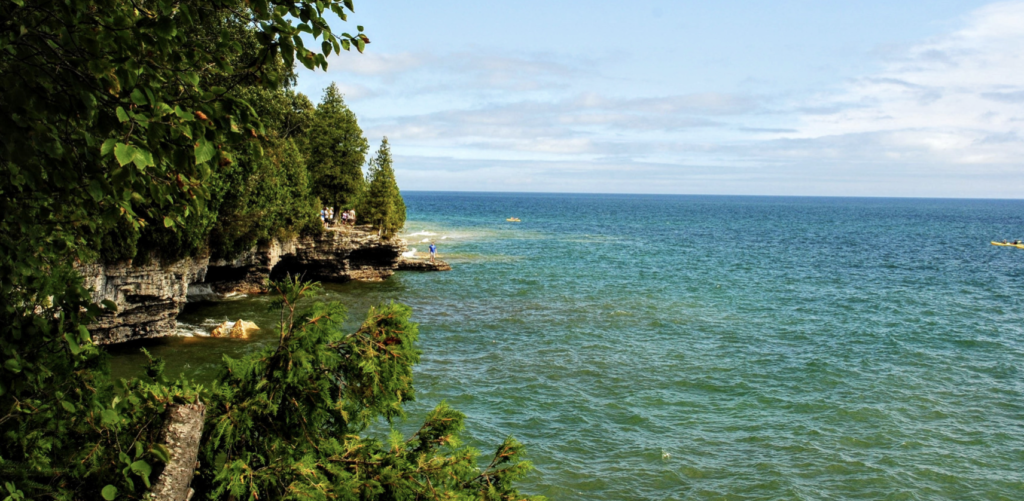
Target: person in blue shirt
(433, 251)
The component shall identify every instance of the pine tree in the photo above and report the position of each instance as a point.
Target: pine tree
(382, 205)
(291, 421)
(336, 151)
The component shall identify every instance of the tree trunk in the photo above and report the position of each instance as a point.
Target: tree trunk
(182, 432)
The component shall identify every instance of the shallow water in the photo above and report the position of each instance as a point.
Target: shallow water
(668, 347)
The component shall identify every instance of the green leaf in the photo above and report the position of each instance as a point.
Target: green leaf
(121, 114)
(108, 416)
(125, 153)
(161, 452)
(108, 146)
(83, 333)
(139, 96)
(142, 469)
(96, 190)
(204, 151)
(166, 27)
(143, 159)
(109, 492)
(68, 406)
(168, 222)
(13, 365)
(110, 305)
(191, 78)
(73, 345)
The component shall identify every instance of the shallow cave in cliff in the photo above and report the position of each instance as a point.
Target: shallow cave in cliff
(215, 274)
(290, 265)
(378, 257)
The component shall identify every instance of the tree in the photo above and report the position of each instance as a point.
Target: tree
(382, 204)
(288, 422)
(336, 151)
(113, 115)
(121, 125)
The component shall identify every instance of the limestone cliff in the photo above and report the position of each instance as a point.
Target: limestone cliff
(150, 297)
(337, 255)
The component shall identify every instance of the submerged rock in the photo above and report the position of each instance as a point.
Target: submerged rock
(238, 330)
(412, 264)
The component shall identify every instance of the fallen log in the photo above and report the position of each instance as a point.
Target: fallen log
(182, 431)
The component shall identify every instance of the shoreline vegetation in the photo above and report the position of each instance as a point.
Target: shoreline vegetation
(171, 130)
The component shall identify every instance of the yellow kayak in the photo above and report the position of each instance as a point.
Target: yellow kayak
(1001, 244)
(513, 220)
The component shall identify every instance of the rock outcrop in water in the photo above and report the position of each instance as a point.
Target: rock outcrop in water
(414, 264)
(337, 255)
(150, 297)
(240, 329)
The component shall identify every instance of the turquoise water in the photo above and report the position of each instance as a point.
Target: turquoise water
(690, 347)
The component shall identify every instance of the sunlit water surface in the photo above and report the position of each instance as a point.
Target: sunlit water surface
(671, 347)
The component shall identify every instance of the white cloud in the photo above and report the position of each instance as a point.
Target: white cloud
(375, 63)
(958, 98)
(942, 117)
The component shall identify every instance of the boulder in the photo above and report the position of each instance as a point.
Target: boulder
(238, 330)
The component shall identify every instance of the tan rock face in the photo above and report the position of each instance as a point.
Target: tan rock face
(239, 330)
(243, 329)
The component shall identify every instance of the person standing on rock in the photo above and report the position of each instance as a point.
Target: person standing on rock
(352, 217)
(433, 252)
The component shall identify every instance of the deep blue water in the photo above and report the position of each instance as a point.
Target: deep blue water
(709, 347)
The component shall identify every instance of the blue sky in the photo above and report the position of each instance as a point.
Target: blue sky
(870, 98)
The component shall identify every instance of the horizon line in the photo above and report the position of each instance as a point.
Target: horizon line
(879, 197)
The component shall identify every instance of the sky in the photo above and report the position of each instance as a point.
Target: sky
(824, 98)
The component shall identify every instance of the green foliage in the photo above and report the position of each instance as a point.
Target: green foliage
(382, 204)
(285, 423)
(336, 151)
(263, 196)
(112, 113)
(127, 128)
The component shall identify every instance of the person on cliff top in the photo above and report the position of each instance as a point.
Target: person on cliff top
(344, 218)
(433, 251)
(352, 217)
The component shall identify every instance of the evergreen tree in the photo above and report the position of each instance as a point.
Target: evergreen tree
(382, 205)
(289, 421)
(336, 151)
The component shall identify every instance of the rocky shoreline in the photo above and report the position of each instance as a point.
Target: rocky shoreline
(149, 297)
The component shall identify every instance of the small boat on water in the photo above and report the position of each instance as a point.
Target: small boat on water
(513, 220)
(1007, 244)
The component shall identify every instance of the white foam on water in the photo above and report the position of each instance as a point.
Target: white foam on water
(444, 237)
(410, 253)
(421, 233)
(425, 240)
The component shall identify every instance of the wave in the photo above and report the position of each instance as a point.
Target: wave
(410, 253)
(421, 233)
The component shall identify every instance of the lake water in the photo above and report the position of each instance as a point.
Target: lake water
(707, 347)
